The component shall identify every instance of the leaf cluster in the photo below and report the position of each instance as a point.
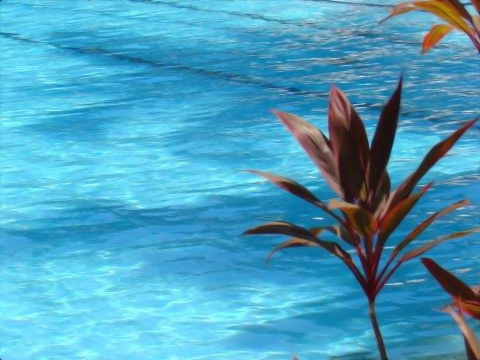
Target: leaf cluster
(452, 12)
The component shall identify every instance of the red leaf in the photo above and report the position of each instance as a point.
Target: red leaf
(424, 225)
(450, 283)
(357, 217)
(331, 247)
(435, 154)
(349, 144)
(289, 185)
(395, 216)
(383, 140)
(316, 145)
(423, 249)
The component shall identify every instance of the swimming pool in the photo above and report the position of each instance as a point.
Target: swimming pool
(125, 125)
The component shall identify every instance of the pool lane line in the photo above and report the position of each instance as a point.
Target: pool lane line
(229, 77)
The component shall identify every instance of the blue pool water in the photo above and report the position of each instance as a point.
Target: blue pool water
(125, 125)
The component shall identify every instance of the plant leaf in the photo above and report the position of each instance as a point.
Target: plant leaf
(337, 230)
(435, 154)
(399, 9)
(302, 237)
(421, 250)
(437, 33)
(289, 185)
(316, 145)
(331, 247)
(282, 228)
(472, 308)
(395, 216)
(349, 144)
(449, 282)
(383, 141)
(460, 8)
(466, 330)
(425, 224)
(446, 12)
(359, 218)
(380, 199)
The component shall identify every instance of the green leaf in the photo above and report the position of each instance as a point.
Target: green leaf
(316, 145)
(435, 154)
(421, 250)
(282, 228)
(383, 139)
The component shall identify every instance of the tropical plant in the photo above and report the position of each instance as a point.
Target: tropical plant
(368, 213)
(453, 12)
(466, 300)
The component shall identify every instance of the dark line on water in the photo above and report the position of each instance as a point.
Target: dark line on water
(243, 79)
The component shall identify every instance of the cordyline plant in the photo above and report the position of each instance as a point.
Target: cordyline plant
(453, 12)
(466, 300)
(368, 212)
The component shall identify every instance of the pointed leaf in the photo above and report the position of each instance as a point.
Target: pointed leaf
(316, 145)
(450, 283)
(302, 237)
(461, 9)
(282, 228)
(331, 247)
(446, 12)
(435, 154)
(421, 250)
(289, 185)
(360, 219)
(349, 143)
(466, 330)
(437, 33)
(424, 225)
(383, 139)
(402, 8)
(395, 216)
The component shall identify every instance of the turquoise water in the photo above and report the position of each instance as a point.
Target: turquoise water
(125, 125)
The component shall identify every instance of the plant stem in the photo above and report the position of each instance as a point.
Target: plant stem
(376, 330)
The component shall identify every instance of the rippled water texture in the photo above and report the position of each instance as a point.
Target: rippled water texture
(125, 125)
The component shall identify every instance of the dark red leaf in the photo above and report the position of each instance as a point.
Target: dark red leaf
(349, 144)
(282, 228)
(435, 154)
(395, 216)
(316, 145)
(453, 285)
(289, 185)
(423, 249)
(360, 219)
(383, 139)
(425, 224)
